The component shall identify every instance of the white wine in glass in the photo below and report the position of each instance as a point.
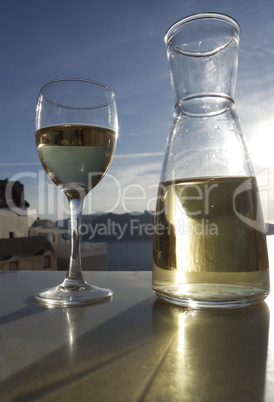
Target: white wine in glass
(76, 129)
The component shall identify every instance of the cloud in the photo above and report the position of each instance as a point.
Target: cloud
(139, 155)
(18, 164)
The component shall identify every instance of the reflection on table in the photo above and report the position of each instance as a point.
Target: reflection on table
(133, 348)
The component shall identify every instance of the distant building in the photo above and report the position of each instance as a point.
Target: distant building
(12, 193)
(14, 219)
(48, 229)
(27, 253)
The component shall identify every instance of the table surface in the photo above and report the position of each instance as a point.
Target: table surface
(133, 348)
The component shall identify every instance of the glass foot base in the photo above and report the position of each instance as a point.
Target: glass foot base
(73, 295)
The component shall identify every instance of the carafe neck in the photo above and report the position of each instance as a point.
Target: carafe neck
(202, 52)
(204, 105)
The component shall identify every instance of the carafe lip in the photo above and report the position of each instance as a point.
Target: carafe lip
(205, 15)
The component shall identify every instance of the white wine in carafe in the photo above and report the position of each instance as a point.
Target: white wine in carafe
(209, 242)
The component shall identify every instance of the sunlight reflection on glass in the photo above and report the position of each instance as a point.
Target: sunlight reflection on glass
(180, 224)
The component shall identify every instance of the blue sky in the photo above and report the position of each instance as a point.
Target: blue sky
(120, 43)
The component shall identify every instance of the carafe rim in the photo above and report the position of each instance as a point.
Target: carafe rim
(198, 16)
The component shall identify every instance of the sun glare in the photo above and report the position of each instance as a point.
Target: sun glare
(262, 145)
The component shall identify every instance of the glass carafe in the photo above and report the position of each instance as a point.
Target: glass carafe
(209, 241)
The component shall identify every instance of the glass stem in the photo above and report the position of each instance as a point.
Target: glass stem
(75, 269)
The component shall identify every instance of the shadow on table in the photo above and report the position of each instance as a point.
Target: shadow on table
(153, 351)
(30, 308)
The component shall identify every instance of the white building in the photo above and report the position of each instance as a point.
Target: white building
(16, 222)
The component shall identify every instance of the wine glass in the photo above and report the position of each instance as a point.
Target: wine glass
(76, 128)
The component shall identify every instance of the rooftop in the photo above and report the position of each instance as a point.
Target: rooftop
(24, 246)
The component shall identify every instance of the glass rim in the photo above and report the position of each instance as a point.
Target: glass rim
(205, 15)
(100, 84)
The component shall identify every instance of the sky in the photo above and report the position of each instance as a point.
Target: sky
(121, 43)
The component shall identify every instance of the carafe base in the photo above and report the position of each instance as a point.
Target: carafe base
(213, 296)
